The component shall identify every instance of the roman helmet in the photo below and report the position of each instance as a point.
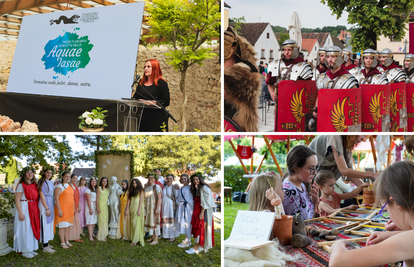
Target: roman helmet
(410, 57)
(347, 54)
(335, 51)
(390, 56)
(240, 47)
(372, 53)
(294, 45)
(322, 50)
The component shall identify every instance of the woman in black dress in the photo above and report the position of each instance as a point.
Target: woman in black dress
(153, 86)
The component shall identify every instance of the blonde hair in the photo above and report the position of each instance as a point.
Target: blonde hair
(258, 189)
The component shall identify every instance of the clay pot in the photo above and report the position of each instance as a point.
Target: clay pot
(369, 197)
(282, 229)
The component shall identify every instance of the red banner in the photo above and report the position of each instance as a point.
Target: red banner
(409, 90)
(295, 100)
(245, 152)
(375, 108)
(398, 107)
(339, 110)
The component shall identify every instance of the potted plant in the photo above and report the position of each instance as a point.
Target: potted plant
(6, 204)
(93, 121)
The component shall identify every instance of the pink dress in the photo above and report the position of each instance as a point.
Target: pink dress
(335, 204)
(82, 203)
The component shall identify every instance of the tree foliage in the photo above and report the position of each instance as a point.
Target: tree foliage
(36, 149)
(11, 171)
(283, 37)
(238, 22)
(90, 144)
(375, 18)
(186, 27)
(173, 154)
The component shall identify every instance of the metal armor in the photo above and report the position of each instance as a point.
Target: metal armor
(389, 54)
(354, 71)
(374, 79)
(345, 81)
(395, 75)
(381, 69)
(315, 74)
(299, 71)
(336, 51)
(294, 45)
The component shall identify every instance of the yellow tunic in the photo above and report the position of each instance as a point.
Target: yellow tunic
(123, 230)
(103, 217)
(137, 222)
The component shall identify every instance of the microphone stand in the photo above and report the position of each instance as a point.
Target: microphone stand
(156, 100)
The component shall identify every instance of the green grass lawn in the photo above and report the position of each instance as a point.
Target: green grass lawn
(230, 213)
(115, 252)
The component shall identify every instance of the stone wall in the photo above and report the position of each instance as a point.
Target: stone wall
(203, 86)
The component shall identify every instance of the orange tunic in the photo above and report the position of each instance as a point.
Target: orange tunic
(67, 205)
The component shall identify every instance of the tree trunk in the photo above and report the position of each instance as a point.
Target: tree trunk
(97, 142)
(182, 89)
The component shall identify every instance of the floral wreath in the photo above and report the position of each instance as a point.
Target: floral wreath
(66, 169)
(153, 174)
(170, 174)
(46, 168)
(25, 169)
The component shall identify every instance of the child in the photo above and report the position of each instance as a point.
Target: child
(330, 200)
(393, 189)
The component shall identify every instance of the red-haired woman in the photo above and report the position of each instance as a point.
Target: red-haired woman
(153, 86)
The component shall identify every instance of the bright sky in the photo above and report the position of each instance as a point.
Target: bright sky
(312, 13)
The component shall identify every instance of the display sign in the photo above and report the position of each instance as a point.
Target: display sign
(88, 53)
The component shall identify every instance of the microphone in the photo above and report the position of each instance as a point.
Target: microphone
(136, 79)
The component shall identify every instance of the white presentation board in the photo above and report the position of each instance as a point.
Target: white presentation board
(88, 53)
(251, 230)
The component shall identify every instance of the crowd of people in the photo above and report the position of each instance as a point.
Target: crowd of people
(157, 209)
(336, 68)
(308, 190)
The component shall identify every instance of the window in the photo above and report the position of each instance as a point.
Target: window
(268, 35)
(271, 55)
(262, 55)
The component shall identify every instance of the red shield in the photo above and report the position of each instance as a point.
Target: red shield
(339, 110)
(295, 100)
(398, 107)
(375, 108)
(409, 89)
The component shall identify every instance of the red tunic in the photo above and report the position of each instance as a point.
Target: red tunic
(350, 67)
(371, 72)
(31, 193)
(198, 225)
(392, 66)
(340, 72)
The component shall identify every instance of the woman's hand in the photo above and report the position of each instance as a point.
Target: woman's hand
(125, 213)
(139, 212)
(340, 243)
(21, 216)
(378, 237)
(90, 211)
(201, 217)
(157, 211)
(79, 209)
(48, 213)
(98, 210)
(314, 193)
(375, 175)
(60, 214)
(390, 226)
(270, 194)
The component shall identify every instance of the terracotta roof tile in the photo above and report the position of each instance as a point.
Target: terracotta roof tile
(308, 44)
(321, 36)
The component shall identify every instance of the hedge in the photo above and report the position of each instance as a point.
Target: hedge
(233, 176)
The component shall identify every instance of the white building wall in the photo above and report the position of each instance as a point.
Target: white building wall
(267, 44)
(314, 53)
(328, 42)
